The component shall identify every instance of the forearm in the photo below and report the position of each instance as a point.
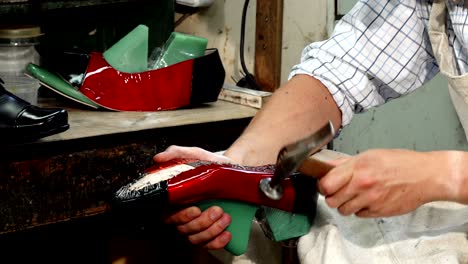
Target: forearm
(445, 175)
(457, 176)
(293, 112)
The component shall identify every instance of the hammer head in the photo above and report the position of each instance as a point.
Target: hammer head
(292, 156)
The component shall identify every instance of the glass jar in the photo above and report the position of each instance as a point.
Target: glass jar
(17, 50)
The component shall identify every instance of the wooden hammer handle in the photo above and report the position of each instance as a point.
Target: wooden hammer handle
(315, 168)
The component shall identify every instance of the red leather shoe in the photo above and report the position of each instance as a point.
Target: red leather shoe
(181, 183)
(187, 83)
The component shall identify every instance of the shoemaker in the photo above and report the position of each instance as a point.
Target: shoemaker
(379, 51)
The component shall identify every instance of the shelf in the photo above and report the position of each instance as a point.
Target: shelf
(25, 7)
(90, 25)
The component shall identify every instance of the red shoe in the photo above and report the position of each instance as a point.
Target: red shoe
(182, 183)
(187, 83)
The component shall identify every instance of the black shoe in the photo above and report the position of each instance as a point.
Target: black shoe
(21, 121)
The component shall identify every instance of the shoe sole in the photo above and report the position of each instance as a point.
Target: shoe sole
(17, 135)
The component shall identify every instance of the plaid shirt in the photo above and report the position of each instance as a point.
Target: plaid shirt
(380, 50)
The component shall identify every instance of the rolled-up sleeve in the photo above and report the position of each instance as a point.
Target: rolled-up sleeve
(379, 51)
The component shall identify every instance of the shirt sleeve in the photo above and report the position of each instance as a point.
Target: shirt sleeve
(379, 51)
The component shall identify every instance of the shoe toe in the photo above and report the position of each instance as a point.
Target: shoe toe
(21, 120)
(37, 116)
(36, 122)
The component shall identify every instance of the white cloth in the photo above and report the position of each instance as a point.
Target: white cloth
(435, 233)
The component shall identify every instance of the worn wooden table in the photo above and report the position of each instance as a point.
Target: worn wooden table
(72, 175)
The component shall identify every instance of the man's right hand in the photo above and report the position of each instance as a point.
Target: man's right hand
(205, 228)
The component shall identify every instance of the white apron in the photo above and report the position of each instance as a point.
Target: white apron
(434, 233)
(458, 84)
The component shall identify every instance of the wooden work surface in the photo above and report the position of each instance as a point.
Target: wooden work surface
(74, 174)
(86, 123)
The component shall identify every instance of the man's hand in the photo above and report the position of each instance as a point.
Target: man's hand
(201, 228)
(380, 183)
(177, 152)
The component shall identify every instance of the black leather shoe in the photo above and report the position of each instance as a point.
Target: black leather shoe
(19, 120)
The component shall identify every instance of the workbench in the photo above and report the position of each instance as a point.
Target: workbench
(60, 186)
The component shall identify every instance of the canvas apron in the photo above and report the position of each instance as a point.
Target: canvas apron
(434, 233)
(458, 84)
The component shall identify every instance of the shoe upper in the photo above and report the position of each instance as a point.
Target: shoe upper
(34, 116)
(10, 107)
